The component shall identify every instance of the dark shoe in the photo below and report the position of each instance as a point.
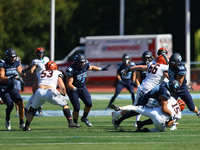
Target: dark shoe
(86, 122)
(40, 111)
(142, 130)
(116, 125)
(139, 124)
(116, 108)
(26, 128)
(74, 125)
(107, 108)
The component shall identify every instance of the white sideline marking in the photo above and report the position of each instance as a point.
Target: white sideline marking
(83, 143)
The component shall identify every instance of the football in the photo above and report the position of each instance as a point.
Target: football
(181, 104)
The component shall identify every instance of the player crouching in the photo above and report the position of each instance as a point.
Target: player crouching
(44, 89)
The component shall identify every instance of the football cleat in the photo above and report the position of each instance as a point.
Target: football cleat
(74, 125)
(8, 125)
(116, 108)
(116, 125)
(114, 116)
(139, 124)
(26, 128)
(107, 108)
(21, 126)
(198, 114)
(173, 126)
(40, 111)
(86, 121)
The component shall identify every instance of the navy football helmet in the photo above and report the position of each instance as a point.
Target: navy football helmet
(40, 52)
(147, 57)
(126, 59)
(175, 59)
(9, 54)
(79, 59)
(174, 86)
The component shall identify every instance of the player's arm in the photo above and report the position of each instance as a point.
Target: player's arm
(61, 85)
(133, 76)
(35, 85)
(180, 78)
(165, 73)
(69, 82)
(2, 75)
(163, 103)
(137, 80)
(94, 68)
(33, 67)
(19, 70)
(138, 67)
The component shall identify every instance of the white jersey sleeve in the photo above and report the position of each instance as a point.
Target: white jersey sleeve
(40, 64)
(49, 77)
(154, 76)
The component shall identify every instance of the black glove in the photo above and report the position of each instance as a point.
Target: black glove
(22, 82)
(106, 67)
(120, 82)
(133, 83)
(62, 94)
(12, 77)
(80, 90)
(190, 88)
(24, 71)
(125, 71)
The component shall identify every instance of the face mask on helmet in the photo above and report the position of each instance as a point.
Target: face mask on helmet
(174, 86)
(175, 60)
(11, 55)
(147, 57)
(40, 52)
(51, 65)
(79, 61)
(126, 59)
(161, 51)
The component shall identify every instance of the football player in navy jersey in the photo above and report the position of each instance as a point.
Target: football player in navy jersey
(75, 82)
(9, 69)
(178, 71)
(127, 80)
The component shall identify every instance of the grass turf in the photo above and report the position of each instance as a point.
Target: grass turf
(50, 133)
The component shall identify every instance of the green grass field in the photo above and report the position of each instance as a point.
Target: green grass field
(52, 133)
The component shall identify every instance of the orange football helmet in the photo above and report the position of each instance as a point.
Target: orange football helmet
(51, 65)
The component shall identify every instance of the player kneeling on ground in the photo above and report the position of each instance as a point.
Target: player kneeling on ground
(44, 89)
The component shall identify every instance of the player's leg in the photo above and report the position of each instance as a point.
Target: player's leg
(28, 104)
(185, 96)
(86, 98)
(130, 88)
(57, 99)
(19, 102)
(37, 101)
(74, 99)
(118, 89)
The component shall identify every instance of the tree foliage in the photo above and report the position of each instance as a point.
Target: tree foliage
(25, 24)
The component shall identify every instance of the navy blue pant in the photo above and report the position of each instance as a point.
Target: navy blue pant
(184, 94)
(74, 98)
(10, 95)
(119, 88)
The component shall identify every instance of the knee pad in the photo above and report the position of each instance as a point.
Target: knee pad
(89, 105)
(10, 106)
(77, 108)
(32, 111)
